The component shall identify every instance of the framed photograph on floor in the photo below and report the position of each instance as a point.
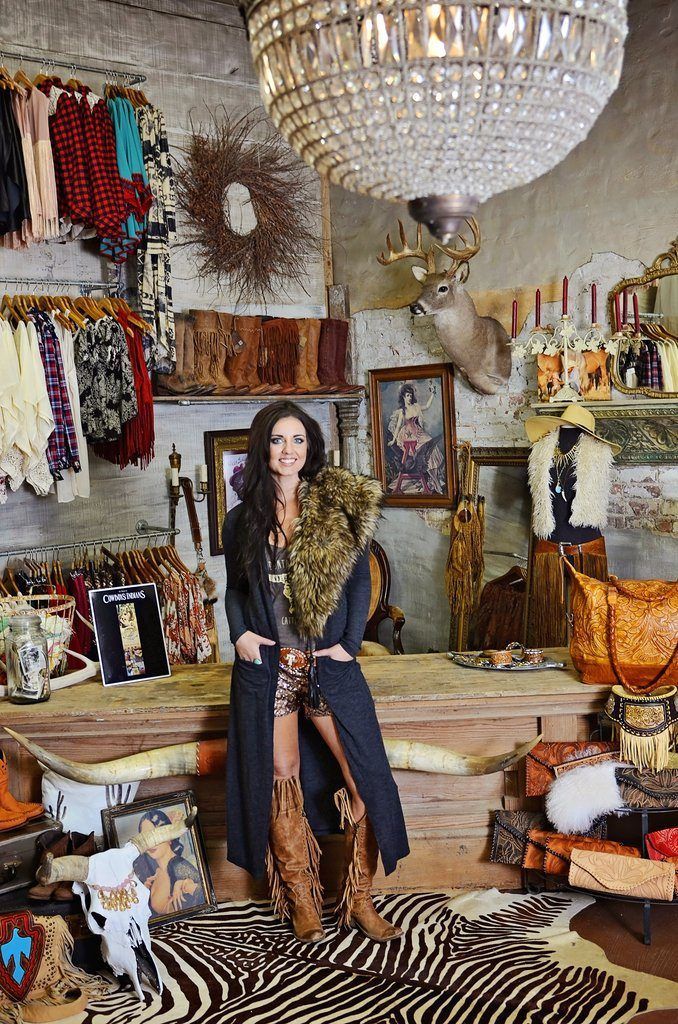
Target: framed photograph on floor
(413, 434)
(176, 873)
(225, 455)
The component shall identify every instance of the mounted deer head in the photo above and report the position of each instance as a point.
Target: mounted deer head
(478, 346)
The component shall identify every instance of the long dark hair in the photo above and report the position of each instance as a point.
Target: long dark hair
(262, 508)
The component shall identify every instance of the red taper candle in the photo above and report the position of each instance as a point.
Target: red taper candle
(617, 312)
(564, 296)
(625, 306)
(514, 319)
(537, 308)
(636, 314)
(594, 305)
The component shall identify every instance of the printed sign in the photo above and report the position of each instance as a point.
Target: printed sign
(129, 632)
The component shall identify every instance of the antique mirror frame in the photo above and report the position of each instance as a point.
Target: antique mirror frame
(665, 265)
(460, 617)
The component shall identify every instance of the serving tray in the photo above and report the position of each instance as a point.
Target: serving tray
(469, 659)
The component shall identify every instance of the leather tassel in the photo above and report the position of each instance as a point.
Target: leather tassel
(344, 905)
(314, 694)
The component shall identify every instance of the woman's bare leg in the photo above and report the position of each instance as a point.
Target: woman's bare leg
(286, 761)
(327, 728)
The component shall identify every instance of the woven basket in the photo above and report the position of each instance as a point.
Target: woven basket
(56, 615)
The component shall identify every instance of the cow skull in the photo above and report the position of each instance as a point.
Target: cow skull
(478, 346)
(116, 902)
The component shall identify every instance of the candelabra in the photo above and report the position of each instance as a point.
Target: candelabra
(181, 486)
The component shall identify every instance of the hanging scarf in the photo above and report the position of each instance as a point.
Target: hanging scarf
(592, 472)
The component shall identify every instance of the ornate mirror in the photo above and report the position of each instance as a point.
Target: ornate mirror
(647, 361)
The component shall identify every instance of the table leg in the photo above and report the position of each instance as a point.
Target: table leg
(647, 934)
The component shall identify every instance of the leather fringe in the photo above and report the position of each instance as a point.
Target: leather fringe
(351, 882)
(279, 351)
(547, 624)
(645, 751)
(288, 799)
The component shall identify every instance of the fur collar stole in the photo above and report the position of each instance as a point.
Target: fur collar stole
(592, 470)
(338, 514)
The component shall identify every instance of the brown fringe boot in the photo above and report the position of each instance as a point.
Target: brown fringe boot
(354, 904)
(292, 863)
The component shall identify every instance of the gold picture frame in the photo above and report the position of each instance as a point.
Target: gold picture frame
(225, 450)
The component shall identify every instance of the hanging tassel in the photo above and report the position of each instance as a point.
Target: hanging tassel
(351, 881)
(314, 694)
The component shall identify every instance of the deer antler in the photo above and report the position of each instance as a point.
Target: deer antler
(461, 257)
(406, 253)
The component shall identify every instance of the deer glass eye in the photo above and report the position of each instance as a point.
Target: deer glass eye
(442, 289)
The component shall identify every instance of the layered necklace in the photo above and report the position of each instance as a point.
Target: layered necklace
(563, 462)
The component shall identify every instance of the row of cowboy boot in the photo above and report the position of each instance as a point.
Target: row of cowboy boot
(222, 354)
(293, 860)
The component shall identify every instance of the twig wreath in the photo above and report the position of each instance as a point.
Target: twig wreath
(283, 197)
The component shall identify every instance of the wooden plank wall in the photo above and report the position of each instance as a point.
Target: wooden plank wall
(195, 56)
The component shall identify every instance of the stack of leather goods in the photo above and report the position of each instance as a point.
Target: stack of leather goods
(224, 354)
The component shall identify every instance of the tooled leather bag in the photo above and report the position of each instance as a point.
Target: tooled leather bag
(510, 834)
(547, 761)
(551, 852)
(645, 789)
(624, 631)
(604, 872)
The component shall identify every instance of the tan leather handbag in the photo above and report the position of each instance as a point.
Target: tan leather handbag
(623, 876)
(550, 852)
(624, 631)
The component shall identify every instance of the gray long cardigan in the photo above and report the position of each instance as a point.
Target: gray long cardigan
(329, 515)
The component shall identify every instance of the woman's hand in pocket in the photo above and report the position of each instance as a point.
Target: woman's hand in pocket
(336, 653)
(247, 646)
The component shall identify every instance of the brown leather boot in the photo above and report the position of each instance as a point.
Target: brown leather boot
(280, 354)
(56, 843)
(183, 381)
(237, 362)
(306, 377)
(332, 355)
(80, 846)
(292, 862)
(15, 808)
(361, 854)
(249, 329)
(210, 339)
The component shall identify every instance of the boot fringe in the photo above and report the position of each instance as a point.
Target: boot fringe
(276, 888)
(287, 796)
(350, 884)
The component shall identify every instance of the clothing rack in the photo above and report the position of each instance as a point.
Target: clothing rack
(44, 58)
(143, 531)
(41, 283)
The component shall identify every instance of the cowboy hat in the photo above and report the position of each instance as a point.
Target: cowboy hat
(572, 415)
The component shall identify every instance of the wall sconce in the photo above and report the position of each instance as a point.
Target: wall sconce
(183, 485)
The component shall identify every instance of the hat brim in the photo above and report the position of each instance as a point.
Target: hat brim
(539, 426)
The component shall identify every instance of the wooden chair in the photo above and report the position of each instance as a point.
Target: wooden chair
(380, 609)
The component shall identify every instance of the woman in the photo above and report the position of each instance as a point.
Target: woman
(411, 440)
(174, 882)
(302, 719)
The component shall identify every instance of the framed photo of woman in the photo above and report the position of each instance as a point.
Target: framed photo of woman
(413, 434)
(176, 873)
(225, 455)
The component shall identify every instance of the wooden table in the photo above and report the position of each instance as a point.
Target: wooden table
(422, 697)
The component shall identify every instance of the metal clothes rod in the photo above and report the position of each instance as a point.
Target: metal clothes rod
(91, 543)
(44, 57)
(48, 283)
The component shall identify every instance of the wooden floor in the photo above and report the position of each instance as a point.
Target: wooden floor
(618, 929)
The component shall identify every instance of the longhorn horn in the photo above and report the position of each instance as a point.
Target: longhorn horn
(163, 833)
(207, 757)
(72, 868)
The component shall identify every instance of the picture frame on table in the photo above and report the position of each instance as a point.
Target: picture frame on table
(179, 867)
(225, 455)
(413, 435)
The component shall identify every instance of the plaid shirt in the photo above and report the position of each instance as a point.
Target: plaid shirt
(68, 149)
(62, 446)
(108, 203)
(650, 375)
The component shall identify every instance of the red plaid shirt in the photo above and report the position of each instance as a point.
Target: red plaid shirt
(108, 203)
(68, 149)
(62, 445)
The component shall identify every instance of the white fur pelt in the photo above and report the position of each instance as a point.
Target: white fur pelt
(578, 797)
(592, 466)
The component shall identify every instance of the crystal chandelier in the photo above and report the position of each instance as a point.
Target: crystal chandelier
(439, 104)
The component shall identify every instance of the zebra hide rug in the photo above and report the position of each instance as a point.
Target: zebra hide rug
(466, 958)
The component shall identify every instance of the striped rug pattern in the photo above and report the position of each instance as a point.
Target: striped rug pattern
(466, 958)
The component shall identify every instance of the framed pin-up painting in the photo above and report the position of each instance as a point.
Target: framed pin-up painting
(413, 434)
(226, 455)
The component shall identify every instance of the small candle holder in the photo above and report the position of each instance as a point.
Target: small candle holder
(180, 485)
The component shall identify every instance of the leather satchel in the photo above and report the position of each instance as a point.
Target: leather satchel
(546, 761)
(550, 852)
(624, 631)
(510, 834)
(644, 789)
(622, 876)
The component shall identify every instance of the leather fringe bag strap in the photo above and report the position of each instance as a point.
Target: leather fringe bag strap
(624, 631)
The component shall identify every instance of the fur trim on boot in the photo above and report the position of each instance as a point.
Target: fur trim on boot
(578, 797)
(339, 512)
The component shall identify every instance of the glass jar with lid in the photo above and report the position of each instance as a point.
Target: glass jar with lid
(27, 660)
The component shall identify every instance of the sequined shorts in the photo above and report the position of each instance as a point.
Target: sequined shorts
(292, 691)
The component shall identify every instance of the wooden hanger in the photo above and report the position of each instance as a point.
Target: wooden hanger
(6, 80)
(22, 79)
